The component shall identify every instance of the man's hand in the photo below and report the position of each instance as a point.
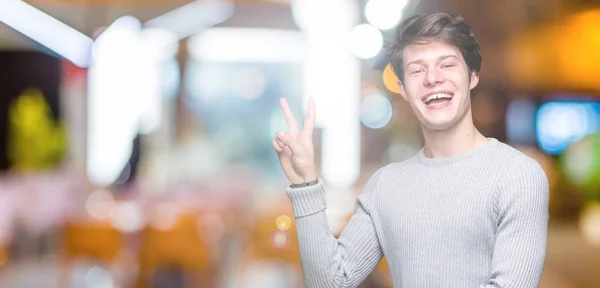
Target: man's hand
(295, 148)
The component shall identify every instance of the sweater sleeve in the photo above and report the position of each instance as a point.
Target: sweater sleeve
(521, 238)
(327, 261)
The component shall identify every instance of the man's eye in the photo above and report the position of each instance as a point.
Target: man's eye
(447, 65)
(416, 71)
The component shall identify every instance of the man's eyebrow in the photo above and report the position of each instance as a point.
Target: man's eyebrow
(418, 61)
(441, 58)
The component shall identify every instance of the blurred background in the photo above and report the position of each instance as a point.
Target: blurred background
(135, 136)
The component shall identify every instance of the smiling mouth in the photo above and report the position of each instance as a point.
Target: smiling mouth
(438, 98)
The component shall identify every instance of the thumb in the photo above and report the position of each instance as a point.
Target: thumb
(289, 141)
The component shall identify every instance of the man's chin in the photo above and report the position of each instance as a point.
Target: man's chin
(437, 125)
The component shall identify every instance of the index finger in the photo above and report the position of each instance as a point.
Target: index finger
(289, 117)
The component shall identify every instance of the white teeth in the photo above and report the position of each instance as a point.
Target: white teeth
(438, 96)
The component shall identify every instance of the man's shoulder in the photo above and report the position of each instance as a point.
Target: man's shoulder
(523, 179)
(519, 166)
(517, 160)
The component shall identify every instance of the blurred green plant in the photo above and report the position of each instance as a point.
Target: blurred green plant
(581, 165)
(35, 140)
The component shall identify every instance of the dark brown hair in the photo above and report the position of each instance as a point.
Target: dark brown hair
(449, 27)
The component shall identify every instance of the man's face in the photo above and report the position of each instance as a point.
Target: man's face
(436, 84)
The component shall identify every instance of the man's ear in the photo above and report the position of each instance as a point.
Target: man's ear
(474, 80)
(402, 90)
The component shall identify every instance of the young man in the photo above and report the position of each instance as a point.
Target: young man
(465, 211)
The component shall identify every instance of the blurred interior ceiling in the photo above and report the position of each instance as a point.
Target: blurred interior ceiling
(87, 16)
(495, 23)
(492, 22)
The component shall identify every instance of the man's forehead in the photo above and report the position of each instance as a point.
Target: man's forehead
(429, 52)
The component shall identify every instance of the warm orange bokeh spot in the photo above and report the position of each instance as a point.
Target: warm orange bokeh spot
(561, 55)
(96, 240)
(578, 57)
(390, 80)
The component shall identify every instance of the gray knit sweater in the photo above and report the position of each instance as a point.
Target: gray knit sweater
(478, 219)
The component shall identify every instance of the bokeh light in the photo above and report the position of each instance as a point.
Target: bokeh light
(97, 277)
(375, 111)
(520, 121)
(283, 222)
(390, 80)
(365, 41)
(384, 14)
(581, 164)
(100, 204)
(280, 239)
(578, 69)
(559, 124)
(164, 216)
(312, 15)
(590, 223)
(127, 217)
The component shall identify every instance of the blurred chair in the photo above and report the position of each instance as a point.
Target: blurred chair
(177, 253)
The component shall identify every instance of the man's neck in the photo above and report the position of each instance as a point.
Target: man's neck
(460, 138)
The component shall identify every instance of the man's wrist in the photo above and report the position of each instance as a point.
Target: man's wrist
(311, 178)
(305, 183)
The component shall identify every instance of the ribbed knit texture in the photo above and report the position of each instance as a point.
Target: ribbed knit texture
(478, 219)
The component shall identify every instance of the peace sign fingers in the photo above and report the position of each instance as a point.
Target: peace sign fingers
(289, 117)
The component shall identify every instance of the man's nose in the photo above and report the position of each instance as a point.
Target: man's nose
(433, 77)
